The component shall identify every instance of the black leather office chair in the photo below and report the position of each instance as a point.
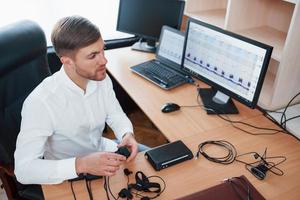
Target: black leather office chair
(23, 65)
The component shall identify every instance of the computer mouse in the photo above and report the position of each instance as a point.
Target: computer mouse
(170, 107)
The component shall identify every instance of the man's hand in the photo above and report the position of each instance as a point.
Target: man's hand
(99, 163)
(130, 142)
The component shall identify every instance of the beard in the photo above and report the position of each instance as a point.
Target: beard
(97, 75)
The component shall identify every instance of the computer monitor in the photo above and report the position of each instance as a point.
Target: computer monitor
(145, 18)
(233, 65)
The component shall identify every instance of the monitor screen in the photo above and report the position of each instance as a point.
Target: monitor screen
(171, 45)
(230, 63)
(145, 18)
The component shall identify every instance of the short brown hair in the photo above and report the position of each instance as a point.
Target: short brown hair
(72, 33)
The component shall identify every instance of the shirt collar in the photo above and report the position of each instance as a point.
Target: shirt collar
(90, 88)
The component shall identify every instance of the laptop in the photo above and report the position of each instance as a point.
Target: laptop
(165, 70)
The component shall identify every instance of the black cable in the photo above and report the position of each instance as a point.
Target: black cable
(282, 123)
(272, 165)
(266, 114)
(165, 185)
(281, 120)
(291, 118)
(109, 192)
(74, 196)
(189, 106)
(229, 158)
(275, 131)
(156, 195)
(89, 189)
(232, 122)
(90, 185)
(105, 188)
(244, 154)
(263, 160)
(232, 156)
(108, 189)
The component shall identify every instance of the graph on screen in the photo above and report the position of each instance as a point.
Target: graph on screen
(171, 46)
(227, 61)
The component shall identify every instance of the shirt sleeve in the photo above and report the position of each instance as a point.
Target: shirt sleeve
(30, 167)
(116, 118)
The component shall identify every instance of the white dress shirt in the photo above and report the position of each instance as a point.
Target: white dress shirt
(61, 122)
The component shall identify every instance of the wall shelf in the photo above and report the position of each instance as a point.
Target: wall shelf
(215, 17)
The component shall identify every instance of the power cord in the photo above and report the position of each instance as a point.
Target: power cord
(285, 109)
(227, 159)
(291, 118)
(266, 114)
(153, 197)
(88, 187)
(283, 118)
(143, 184)
(108, 189)
(265, 163)
(71, 184)
(270, 131)
(232, 122)
(258, 168)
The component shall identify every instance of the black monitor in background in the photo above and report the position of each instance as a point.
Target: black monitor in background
(145, 18)
(233, 65)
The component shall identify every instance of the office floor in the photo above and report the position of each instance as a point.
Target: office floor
(145, 131)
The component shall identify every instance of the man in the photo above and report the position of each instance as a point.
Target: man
(63, 118)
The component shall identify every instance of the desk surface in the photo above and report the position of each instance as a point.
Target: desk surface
(193, 126)
(150, 98)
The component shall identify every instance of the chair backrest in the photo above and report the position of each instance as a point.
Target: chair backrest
(23, 65)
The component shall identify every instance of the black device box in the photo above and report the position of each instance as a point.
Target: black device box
(168, 154)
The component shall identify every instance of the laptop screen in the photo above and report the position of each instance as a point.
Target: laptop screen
(171, 44)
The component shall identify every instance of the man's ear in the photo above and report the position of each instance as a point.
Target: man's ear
(66, 61)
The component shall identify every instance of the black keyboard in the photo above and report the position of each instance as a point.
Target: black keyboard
(159, 74)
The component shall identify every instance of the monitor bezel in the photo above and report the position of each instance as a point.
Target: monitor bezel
(182, 3)
(251, 104)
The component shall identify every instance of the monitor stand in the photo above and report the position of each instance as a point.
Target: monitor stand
(217, 101)
(146, 46)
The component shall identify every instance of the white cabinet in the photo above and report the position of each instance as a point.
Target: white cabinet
(274, 22)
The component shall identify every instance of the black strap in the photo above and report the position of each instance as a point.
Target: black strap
(143, 184)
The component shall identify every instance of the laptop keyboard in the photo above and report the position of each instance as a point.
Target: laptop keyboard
(159, 74)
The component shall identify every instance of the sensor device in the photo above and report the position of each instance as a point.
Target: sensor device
(169, 154)
(123, 151)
